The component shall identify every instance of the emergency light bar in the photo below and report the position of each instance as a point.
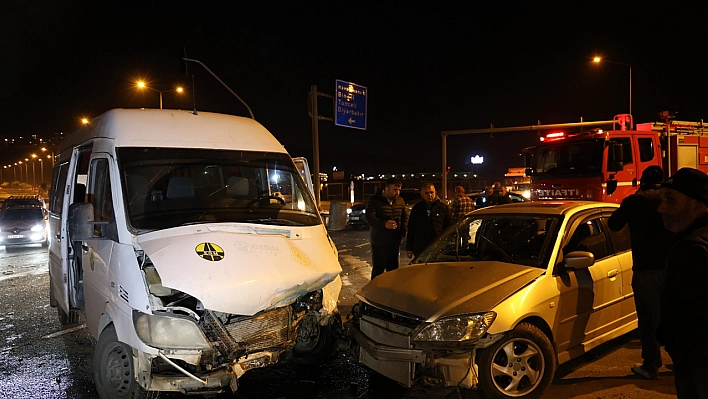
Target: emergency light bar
(553, 136)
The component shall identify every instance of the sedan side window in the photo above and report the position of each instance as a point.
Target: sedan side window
(589, 236)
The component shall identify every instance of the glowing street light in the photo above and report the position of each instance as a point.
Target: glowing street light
(141, 85)
(84, 121)
(597, 60)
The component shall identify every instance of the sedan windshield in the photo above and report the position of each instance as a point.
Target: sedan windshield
(168, 187)
(520, 239)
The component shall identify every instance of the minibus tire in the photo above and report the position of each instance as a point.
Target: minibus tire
(113, 368)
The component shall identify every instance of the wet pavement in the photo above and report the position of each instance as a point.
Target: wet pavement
(40, 360)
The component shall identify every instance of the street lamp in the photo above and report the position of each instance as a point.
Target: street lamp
(142, 85)
(34, 176)
(597, 60)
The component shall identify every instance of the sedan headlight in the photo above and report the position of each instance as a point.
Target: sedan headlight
(169, 332)
(38, 227)
(457, 328)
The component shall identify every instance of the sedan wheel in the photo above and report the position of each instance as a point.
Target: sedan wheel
(520, 365)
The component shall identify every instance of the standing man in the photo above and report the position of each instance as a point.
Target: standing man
(684, 303)
(386, 214)
(651, 242)
(462, 204)
(428, 219)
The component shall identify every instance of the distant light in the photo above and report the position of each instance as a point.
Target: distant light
(477, 160)
(334, 169)
(179, 89)
(84, 121)
(141, 84)
(596, 59)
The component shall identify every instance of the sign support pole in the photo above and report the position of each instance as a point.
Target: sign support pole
(315, 142)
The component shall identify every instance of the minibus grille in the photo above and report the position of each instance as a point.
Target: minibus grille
(248, 334)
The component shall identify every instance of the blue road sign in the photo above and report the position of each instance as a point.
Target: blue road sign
(350, 105)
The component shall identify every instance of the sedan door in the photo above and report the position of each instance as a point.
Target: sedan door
(590, 303)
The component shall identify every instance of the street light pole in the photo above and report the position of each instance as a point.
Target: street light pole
(142, 85)
(597, 60)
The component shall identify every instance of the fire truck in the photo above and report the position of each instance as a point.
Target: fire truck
(601, 165)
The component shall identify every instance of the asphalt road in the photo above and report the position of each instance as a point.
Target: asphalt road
(40, 360)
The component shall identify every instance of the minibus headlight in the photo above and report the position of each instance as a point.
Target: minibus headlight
(38, 227)
(169, 332)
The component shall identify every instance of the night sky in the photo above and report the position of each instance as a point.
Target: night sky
(428, 68)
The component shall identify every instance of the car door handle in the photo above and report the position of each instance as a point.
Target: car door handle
(58, 236)
(612, 273)
(84, 247)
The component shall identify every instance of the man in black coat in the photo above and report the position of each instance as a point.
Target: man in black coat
(651, 242)
(386, 214)
(428, 219)
(684, 303)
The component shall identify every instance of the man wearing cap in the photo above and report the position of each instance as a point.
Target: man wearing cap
(684, 301)
(651, 242)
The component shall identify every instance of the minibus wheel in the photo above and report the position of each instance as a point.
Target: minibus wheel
(113, 368)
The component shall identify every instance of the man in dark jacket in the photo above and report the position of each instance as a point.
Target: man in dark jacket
(684, 303)
(428, 219)
(386, 214)
(651, 242)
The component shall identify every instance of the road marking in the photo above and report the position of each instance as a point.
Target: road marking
(341, 251)
(62, 332)
(362, 245)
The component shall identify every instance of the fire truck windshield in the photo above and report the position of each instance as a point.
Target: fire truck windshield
(566, 158)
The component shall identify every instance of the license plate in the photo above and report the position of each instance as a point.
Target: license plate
(353, 217)
(16, 236)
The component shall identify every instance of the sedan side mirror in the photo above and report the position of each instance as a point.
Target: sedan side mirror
(579, 260)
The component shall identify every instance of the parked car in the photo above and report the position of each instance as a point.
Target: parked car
(480, 198)
(356, 215)
(23, 225)
(500, 299)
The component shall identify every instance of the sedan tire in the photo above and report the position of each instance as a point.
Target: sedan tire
(520, 365)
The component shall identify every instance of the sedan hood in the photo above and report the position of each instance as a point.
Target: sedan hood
(430, 291)
(242, 269)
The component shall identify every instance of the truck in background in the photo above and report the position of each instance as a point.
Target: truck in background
(602, 165)
(515, 180)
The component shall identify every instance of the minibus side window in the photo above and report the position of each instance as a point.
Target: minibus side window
(58, 185)
(101, 197)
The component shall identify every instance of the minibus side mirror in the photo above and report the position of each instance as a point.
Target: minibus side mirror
(81, 223)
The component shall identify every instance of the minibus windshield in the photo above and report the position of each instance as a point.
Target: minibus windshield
(169, 187)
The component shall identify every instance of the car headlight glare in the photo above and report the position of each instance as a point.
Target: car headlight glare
(457, 328)
(349, 210)
(169, 332)
(38, 227)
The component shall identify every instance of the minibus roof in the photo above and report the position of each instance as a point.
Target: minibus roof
(169, 128)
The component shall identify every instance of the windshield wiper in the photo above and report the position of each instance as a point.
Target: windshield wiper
(275, 221)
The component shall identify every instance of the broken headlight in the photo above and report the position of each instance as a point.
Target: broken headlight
(459, 328)
(169, 332)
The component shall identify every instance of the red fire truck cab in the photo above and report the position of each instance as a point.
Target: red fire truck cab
(602, 165)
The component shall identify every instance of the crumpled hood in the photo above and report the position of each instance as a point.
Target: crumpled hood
(242, 269)
(433, 290)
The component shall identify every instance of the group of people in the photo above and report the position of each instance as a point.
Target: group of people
(668, 224)
(389, 223)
